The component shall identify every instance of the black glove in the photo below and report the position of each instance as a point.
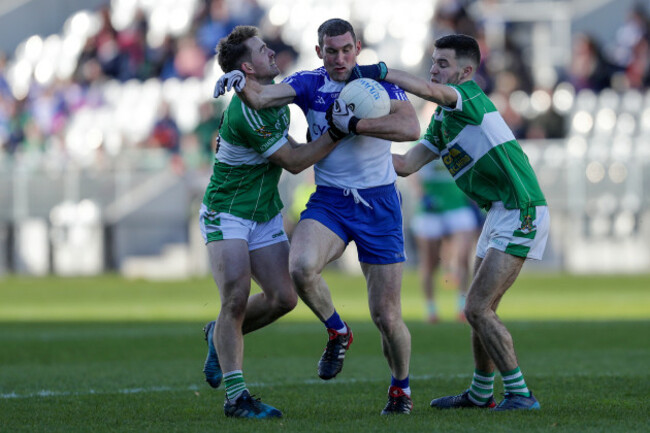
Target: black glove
(341, 119)
(377, 72)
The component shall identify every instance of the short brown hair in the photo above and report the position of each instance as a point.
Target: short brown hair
(231, 50)
(334, 27)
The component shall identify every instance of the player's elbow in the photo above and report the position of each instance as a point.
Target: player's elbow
(411, 130)
(294, 169)
(402, 172)
(400, 166)
(414, 132)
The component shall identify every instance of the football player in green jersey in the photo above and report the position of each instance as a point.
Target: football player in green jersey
(487, 163)
(241, 222)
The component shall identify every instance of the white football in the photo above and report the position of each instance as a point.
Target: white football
(366, 98)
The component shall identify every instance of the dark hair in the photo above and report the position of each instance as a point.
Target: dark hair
(334, 27)
(231, 51)
(464, 46)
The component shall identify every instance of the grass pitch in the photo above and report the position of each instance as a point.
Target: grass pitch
(109, 355)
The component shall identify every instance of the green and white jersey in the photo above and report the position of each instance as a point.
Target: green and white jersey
(440, 192)
(244, 183)
(481, 153)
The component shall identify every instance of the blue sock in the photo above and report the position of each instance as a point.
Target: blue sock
(404, 384)
(335, 322)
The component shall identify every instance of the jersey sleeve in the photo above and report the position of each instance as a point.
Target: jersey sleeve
(394, 91)
(467, 108)
(303, 84)
(431, 139)
(264, 130)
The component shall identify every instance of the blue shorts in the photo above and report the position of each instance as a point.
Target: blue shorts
(372, 218)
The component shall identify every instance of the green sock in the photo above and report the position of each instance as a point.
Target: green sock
(234, 381)
(513, 382)
(482, 387)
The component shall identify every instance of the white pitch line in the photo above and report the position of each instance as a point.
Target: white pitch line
(195, 388)
(50, 393)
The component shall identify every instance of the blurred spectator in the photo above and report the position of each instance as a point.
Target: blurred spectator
(637, 71)
(132, 45)
(165, 132)
(245, 12)
(5, 91)
(103, 46)
(190, 59)
(215, 25)
(16, 119)
(589, 69)
(633, 30)
(161, 59)
(207, 129)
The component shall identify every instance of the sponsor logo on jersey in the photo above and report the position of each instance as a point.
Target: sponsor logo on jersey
(456, 159)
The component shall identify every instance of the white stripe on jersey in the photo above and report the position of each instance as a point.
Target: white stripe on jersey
(232, 154)
(492, 132)
(251, 117)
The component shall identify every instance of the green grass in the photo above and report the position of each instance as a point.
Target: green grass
(111, 298)
(109, 355)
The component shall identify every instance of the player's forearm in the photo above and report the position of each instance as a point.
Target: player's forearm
(258, 96)
(400, 125)
(438, 93)
(413, 160)
(307, 154)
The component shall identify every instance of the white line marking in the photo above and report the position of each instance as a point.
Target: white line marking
(50, 393)
(196, 388)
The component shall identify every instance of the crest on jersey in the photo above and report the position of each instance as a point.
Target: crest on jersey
(263, 132)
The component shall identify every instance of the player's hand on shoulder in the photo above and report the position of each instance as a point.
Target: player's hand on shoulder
(228, 81)
(376, 72)
(341, 118)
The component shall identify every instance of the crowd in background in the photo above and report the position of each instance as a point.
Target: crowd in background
(36, 123)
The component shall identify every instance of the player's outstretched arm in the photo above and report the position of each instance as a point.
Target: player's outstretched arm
(434, 92)
(438, 93)
(254, 94)
(258, 96)
(413, 160)
(295, 157)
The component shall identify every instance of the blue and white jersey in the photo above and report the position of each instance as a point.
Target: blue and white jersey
(358, 161)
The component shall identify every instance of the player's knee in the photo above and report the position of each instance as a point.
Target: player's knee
(302, 272)
(474, 314)
(386, 321)
(285, 301)
(234, 305)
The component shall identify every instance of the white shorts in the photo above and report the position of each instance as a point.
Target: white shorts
(515, 231)
(216, 226)
(438, 225)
